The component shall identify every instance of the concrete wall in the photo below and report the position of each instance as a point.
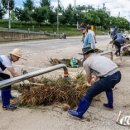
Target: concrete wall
(18, 36)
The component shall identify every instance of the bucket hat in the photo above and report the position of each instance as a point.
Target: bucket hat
(17, 52)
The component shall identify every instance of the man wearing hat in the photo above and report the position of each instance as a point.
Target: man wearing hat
(108, 74)
(6, 63)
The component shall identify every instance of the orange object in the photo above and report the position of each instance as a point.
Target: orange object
(66, 74)
(92, 27)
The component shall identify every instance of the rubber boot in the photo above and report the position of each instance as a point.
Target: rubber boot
(82, 108)
(6, 100)
(109, 95)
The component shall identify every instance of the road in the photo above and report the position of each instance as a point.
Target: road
(53, 118)
(39, 52)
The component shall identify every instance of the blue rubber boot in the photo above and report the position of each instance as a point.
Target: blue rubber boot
(109, 95)
(82, 108)
(6, 100)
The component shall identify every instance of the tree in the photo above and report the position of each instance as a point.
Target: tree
(13, 16)
(119, 22)
(52, 17)
(104, 18)
(40, 14)
(28, 4)
(69, 15)
(23, 15)
(18, 13)
(5, 4)
(45, 3)
(2, 12)
(26, 13)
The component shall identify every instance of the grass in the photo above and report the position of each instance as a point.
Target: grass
(32, 26)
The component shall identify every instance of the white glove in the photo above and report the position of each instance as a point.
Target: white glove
(25, 82)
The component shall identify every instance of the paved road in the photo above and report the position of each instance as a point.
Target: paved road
(39, 52)
(46, 45)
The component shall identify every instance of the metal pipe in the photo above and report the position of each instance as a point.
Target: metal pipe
(11, 81)
(107, 52)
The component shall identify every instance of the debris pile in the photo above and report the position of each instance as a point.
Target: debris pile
(47, 91)
(126, 51)
(56, 61)
(68, 62)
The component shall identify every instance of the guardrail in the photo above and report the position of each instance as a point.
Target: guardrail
(17, 79)
(60, 35)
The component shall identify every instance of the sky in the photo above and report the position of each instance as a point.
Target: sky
(116, 7)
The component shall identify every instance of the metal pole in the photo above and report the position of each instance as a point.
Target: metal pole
(77, 23)
(107, 52)
(58, 17)
(9, 23)
(11, 81)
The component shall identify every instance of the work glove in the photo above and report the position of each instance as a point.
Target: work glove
(25, 82)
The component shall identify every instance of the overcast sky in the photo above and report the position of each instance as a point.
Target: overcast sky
(116, 7)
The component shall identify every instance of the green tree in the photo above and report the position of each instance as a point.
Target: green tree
(45, 3)
(52, 17)
(104, 18)
(84, 8)
(28, 4)
(41, 14)
(19, 13)
(69, 15)
(38, 15)
(26, 13)
(23, 15)
(119, 22)
(5, 4)
(2, 12)
(13, 16)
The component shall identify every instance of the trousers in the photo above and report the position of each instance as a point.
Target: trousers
(105, 84)
(6, 91)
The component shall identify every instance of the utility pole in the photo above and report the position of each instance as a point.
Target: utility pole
(58, 16)
(76, 13)
(74, 4)
(9, 22)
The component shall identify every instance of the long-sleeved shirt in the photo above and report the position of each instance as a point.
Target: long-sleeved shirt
(89, 40)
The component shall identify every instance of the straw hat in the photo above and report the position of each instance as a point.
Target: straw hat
(17, 52)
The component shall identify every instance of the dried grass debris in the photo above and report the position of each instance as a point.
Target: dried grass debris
(60, 90)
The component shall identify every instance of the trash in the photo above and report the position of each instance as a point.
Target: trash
(124, 121)
(74, 63)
